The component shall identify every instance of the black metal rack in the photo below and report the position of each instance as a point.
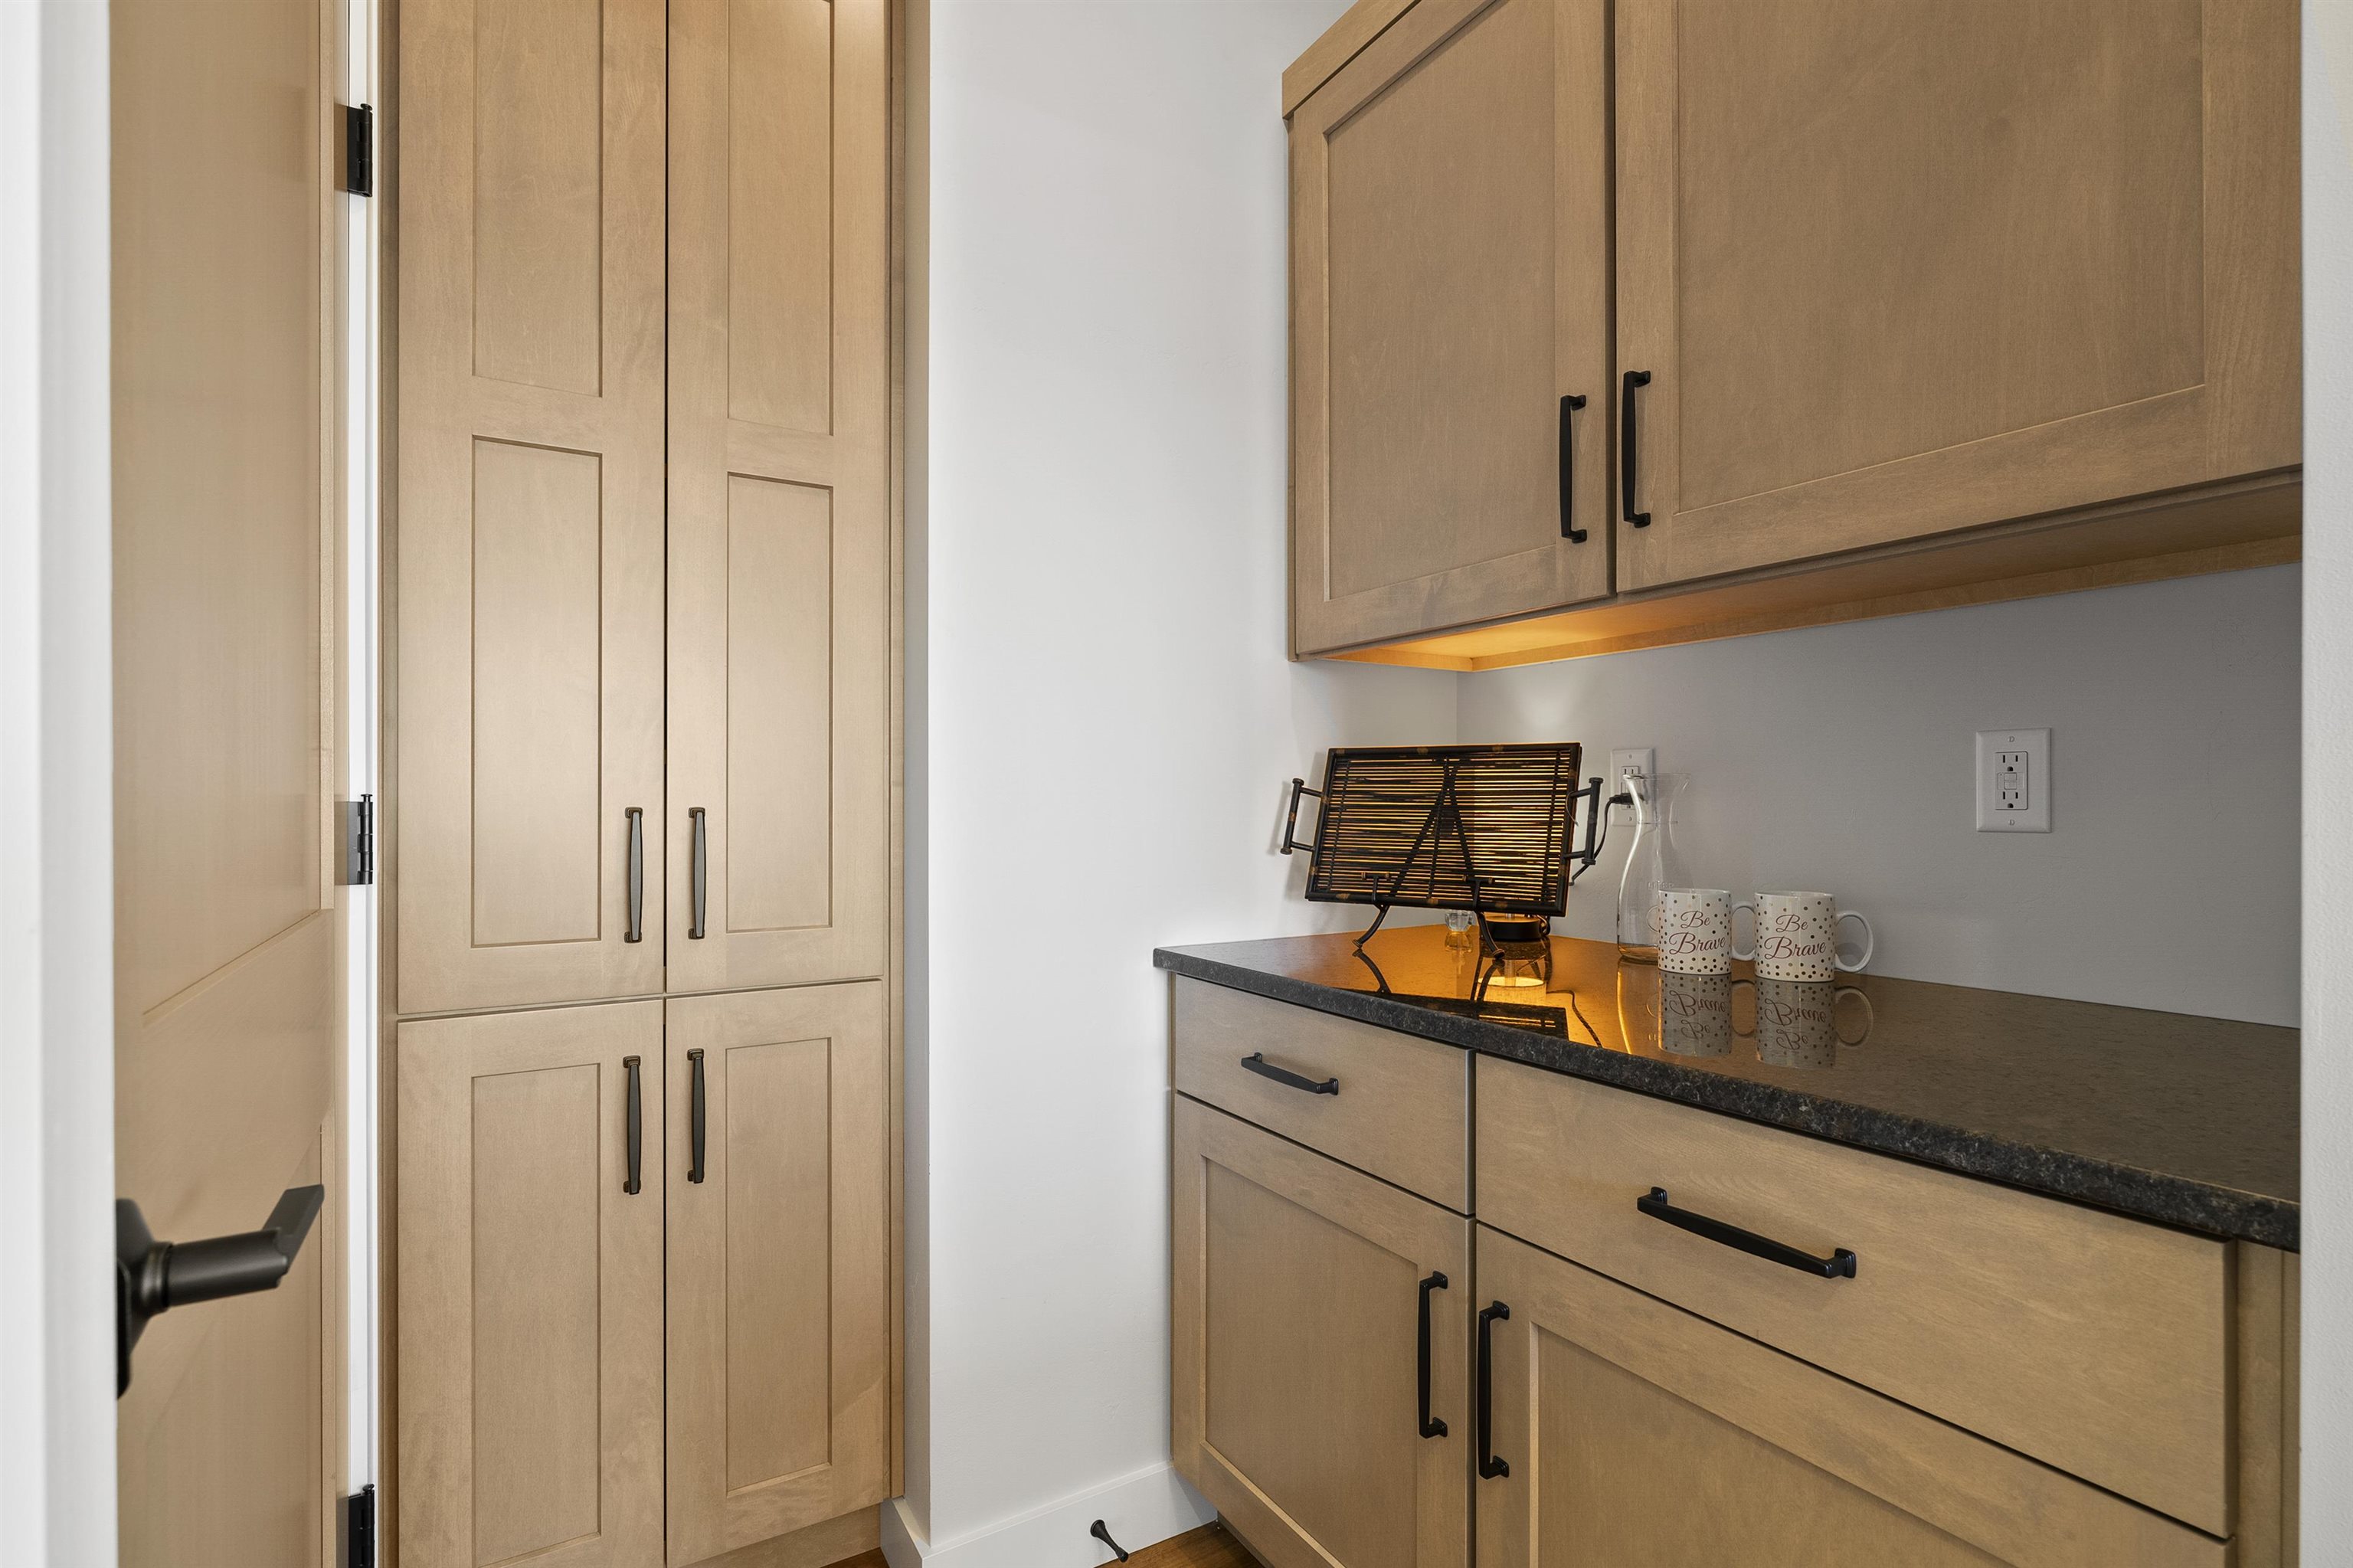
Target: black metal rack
(1486, 828)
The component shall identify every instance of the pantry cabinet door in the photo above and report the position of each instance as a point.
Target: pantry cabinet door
(530, 1366)
(781, 623)
(1894, 270)
(1629, 1433)
(1449, 255)
(1299, 1292)
(779, 1263)
(524, 828)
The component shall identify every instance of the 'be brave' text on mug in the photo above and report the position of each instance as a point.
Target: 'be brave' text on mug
(1695, 930)
(1797, 937)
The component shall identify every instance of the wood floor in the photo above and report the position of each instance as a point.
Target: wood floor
(1207, 1547)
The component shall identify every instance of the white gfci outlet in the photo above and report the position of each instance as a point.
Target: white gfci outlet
(1644, 759)
(2013, 780)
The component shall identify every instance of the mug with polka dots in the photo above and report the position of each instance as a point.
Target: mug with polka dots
(1797, 937)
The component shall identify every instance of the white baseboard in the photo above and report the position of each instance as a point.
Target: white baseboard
(1140, 1510)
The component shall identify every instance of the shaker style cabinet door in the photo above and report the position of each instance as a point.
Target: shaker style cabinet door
(780, 585)
(1311, 1307)
(529, 1228)
(1450, 256)
(1626, 1432)
(779, 1182)
(526, 822)
(1892, 270)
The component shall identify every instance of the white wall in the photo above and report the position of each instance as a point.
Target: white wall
(1843, 757)
(2328, 781)
(57, 877)
(1110, 720)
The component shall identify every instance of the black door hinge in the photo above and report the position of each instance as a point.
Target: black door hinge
(359, 149)
(359, 1528)
(359, 842)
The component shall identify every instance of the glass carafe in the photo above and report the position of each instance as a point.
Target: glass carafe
(1650, 864)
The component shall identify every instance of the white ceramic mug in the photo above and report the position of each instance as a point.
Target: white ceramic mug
(1695, 930)
(1796, 1022)
(1797, 937)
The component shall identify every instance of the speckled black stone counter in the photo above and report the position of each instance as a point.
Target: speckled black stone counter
(2187, 1121)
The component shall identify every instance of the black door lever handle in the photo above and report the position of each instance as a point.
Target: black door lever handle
(150, 1277)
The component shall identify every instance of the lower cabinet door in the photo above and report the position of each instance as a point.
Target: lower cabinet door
(1629, 1433)
(1312, 1306)
(531, 1288)
(779, 1263)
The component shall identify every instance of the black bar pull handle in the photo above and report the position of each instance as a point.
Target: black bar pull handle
(695, 1115)
(1840, 1264)
(698, 873)
(1568, 528)
(636, 930)
(1430, 1426)
(1489, 1466)
(1256, 1061)
(1290, 821)
(1629, 444)
(634, 1182)
(150, 1277)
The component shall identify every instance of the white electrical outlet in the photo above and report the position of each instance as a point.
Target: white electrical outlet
(2013, 780)
(1642, 759)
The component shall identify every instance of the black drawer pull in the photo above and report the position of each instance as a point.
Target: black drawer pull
(1429, 1427)
(634, 1118)
(1256, 1061)
(1630, 446)
(1840, 1264)
(695, 1115)
(1489, 1466)
(1568, 528)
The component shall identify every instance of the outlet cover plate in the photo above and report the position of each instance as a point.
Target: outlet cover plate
(1645, 758)
(2013, 780)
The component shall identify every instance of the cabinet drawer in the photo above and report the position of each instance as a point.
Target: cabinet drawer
(1391, 1104)
(2092, 1342)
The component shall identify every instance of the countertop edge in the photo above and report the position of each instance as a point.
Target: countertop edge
(2224, 1213)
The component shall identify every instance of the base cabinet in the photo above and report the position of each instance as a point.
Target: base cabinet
(1309, 1299)
(779, 1263)
(1630, 1433)
(642, 1243)
(531, 1288)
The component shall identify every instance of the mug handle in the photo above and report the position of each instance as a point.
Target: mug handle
(1869, 942)
(1870, 1019)
(1750, 1032)
(1731, 925)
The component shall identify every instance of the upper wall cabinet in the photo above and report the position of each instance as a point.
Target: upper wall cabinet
(1893, 269)
(528, 588)
(1912, 304)
(780, 589)
(643, 692)
(1449, 312)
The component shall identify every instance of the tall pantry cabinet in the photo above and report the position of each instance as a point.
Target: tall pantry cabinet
(638, 837)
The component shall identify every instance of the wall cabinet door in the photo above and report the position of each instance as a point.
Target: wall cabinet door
(528, 541)
(1300, 1287)
(1450, 286)
(779, 1263)
(531, 1288)
(1630, 1433)
(1894, 270)
(780, 586)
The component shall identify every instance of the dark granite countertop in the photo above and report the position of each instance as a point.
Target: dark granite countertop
(2187, 1121)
